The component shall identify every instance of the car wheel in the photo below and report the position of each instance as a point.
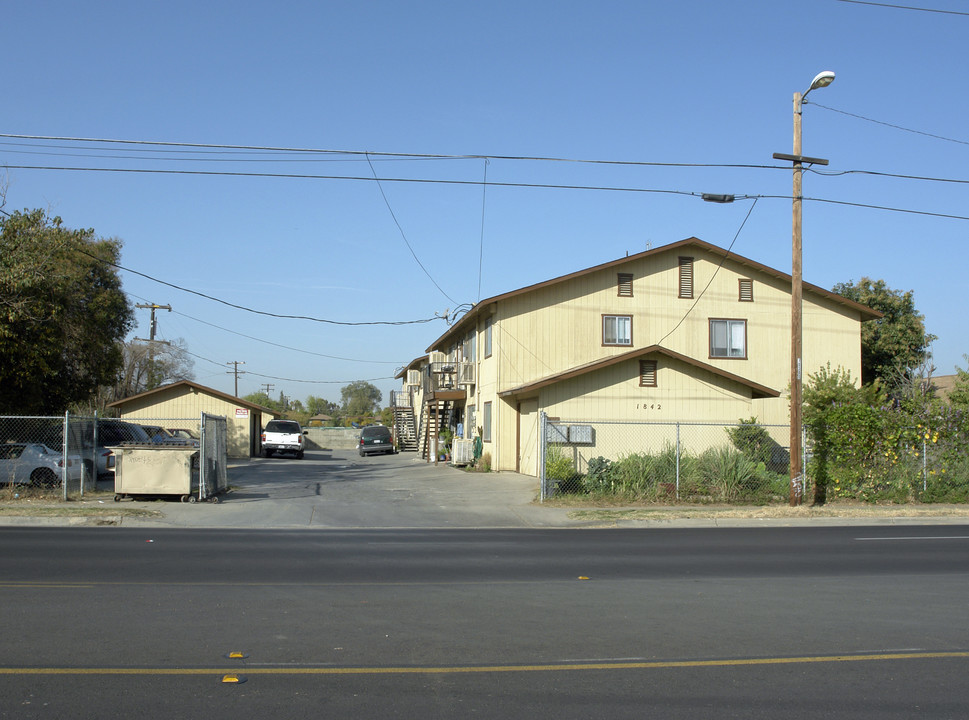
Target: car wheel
(267, 453)
(299, 455)
(44, 477)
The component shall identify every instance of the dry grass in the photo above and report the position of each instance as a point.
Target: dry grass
(36, 502)
(859, 511)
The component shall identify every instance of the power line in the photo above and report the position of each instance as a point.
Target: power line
(875, 173)
(279, 345)
(273, 377)
(252, 310)
(426, 181)
(888, 124)
(707, 286)
(904, 7)
(403, 235)
(373, 154)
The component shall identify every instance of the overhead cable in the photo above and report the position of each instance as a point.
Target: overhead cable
(891, 125)
(252, 310)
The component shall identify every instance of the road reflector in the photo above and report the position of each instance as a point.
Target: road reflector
(236, 655)
(233, 678)
(583, 577)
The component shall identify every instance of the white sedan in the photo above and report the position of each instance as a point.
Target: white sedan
(35, 464)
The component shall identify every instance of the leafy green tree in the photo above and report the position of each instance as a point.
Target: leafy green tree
(320, 406)
(261, 398)
(63, 314)
(959, 395)
(360, 398)
(832, 401)
(896, 340)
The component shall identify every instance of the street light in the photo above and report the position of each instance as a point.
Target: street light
(822, 79)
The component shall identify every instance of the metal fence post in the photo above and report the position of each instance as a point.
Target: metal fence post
(542, 420)
(925, 467)
(677, 460)
(203, 456)
(64, 455)
(804, 462)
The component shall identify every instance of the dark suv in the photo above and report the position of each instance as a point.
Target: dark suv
(376, 439)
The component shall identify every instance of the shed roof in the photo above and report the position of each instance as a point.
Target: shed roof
(199, 388)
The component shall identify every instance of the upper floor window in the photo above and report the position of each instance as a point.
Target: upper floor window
(467, 348)
(487, 337)
(686, 277)
(746, 290)
(625, 283)
(617, 330)
(728, 338)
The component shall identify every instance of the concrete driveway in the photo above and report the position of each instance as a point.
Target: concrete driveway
(339, 489)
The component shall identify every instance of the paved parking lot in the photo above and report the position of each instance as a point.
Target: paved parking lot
(339, 489)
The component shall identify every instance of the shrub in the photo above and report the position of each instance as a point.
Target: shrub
(560, 468)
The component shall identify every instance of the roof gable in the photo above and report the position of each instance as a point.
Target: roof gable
(461, 325)
(189, 385)
(757, 390)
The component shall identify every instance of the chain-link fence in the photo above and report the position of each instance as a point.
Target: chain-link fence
(69, 456)
(213, 459)
(734, 463)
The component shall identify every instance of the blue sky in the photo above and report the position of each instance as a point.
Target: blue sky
(704, 83)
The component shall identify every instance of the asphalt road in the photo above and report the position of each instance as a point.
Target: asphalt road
(433, 623)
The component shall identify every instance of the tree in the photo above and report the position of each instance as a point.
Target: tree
(319, 406)
(959, 395)
(171, 364)
(897, 340)
(261, 398)
(360, 398)
(62, 314)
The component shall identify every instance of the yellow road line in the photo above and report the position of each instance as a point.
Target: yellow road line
(451, 670)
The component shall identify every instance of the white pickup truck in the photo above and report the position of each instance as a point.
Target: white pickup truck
(283, 436)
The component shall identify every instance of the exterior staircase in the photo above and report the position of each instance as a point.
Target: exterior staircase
(405, 428)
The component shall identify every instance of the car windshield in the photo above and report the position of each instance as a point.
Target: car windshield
(283, 426)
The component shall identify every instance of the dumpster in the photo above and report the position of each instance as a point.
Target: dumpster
(157, 470)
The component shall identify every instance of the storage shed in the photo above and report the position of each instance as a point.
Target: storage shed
(186, 399)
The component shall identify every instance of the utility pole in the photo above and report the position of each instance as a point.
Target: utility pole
(268, 387)
(821, 80)
(237, 372)
(152, 381)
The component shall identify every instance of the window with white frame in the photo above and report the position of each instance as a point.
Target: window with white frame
(617, 330)
(487, 337)
(728, 338)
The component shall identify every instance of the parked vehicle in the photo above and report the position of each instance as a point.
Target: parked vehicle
(375, 439)
(35, 464)
(111, 433)
(158, 434)
(189, 436)
(283, 436)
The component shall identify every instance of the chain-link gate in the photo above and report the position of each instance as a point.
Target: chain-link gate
(213, 457)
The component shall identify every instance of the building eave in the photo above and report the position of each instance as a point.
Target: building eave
(757, 390)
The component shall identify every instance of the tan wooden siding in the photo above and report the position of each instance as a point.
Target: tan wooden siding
(182, 403)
